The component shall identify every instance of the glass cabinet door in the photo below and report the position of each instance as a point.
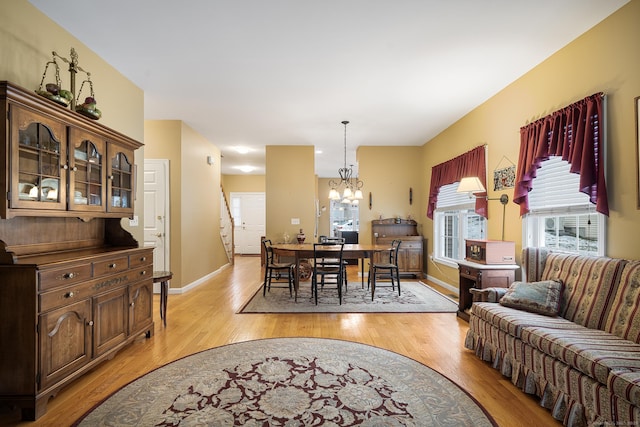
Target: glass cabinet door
(121, 180)
(38, 162)
(86, 162)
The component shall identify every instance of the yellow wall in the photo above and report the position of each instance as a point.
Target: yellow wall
(202, 248)
(324, 225)
(243, 183)
(606, 59)
(196, 247)
(27, 38)
(290, 191)
(163, 141)
(388, 173)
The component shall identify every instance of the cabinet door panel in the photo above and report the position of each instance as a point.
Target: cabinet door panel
(140, 306)
(65, 341)
(110, 314)
(120, 183)
(414, 260)
(402, 260)
(38, 155)
(87, 163)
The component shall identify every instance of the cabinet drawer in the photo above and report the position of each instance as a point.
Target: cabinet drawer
(65, 296)
(50, 279)
(70, 294)
(141, 273)
(407, 244)
(139, 260)
(469, 273)
(113, 265)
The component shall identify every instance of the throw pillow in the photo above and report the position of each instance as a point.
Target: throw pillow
(537, 297)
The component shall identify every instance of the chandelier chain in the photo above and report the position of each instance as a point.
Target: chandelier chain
(352, 191)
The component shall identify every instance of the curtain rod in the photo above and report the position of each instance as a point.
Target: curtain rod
(601, 94)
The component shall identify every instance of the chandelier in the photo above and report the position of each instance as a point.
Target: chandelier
(349, 188)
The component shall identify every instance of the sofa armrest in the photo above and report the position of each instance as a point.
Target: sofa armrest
(487, 294)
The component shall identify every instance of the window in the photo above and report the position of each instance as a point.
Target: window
(454, 221)
(236, 211)
(343, 217)
(560, 217)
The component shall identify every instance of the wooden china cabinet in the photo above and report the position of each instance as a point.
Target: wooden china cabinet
(75, 287)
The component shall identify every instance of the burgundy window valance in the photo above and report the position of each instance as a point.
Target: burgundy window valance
(471, 163)
(575, 134)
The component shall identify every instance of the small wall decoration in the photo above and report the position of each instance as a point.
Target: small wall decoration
(410, 195)
(370, 200)
(504, 177)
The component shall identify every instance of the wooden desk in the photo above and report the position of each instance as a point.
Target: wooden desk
(481, 276)
(305, 251)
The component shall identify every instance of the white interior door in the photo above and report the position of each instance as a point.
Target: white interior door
(249, 217)
(156, 211)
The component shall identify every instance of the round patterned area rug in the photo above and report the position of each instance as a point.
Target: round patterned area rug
(290, 382)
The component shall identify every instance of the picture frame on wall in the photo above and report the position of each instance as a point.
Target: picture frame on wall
(504, 175)
(504, 178)
(637, 116)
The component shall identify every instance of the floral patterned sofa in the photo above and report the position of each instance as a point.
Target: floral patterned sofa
(584, 362)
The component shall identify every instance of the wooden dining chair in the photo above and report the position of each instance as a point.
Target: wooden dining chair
(275, 272)
(326, 239)
(389, 267)
(327, 267)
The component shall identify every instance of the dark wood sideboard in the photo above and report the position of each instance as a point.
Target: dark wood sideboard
(75, 287)
(384, 231)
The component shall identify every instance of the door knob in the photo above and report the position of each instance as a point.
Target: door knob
(159, 235)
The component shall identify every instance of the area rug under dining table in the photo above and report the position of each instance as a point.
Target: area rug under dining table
(415, 297)
(291, 382)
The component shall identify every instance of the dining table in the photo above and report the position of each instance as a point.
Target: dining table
(304, 251)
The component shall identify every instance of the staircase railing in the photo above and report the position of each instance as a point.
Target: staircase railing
(226, 226)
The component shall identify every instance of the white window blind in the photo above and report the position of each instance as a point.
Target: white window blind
(454, 221)
(555, 187)
(449, 198)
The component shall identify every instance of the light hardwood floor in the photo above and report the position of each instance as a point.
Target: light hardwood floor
(208, 317)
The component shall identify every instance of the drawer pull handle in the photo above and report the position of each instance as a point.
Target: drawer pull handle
(90, 323)
(69, 295)
(69, 276)
(143, 259)
(112, 265)
(133, 304)
(143, 272)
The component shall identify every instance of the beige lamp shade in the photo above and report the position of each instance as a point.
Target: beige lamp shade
(470, 185)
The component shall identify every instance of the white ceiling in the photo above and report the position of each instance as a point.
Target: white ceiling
(253, 73)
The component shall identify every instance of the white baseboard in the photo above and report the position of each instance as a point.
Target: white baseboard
(445, 285)
(198, 282)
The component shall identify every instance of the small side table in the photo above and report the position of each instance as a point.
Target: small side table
(163, 277)
(481, 276)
